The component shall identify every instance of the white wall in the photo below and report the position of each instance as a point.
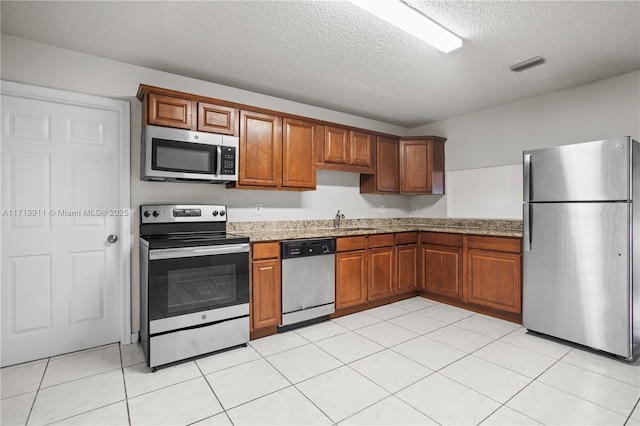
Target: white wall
(484, 149)
(39, 64)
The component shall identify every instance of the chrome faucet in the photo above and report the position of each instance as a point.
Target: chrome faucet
(336, 221)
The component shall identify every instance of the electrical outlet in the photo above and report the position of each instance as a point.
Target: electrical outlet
(381, 208)
(414, 209)
(258, 209)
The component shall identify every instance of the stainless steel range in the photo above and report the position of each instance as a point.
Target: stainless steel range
(194, 283)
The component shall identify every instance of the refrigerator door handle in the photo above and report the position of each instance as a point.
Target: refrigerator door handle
(526, 229)
(527, 177)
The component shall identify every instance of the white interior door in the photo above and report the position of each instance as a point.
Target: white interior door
(62, 211)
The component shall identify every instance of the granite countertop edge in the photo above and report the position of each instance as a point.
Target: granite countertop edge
(291, 230)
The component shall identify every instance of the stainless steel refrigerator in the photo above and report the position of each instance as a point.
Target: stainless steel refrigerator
(581, 237)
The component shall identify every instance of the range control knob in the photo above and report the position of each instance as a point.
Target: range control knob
(215, 213)
(222, 212)
(146, 213)
(156, 214)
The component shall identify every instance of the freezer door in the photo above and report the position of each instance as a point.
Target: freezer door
(591, 171)
(576, 274)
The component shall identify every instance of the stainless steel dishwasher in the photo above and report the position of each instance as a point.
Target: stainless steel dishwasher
(308, 280)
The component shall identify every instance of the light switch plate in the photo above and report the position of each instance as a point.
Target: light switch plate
(258, 209)
(381, 208)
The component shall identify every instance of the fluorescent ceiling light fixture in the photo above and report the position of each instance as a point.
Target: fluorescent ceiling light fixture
(413, 22)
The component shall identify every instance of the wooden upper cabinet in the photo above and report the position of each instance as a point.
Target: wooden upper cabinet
(422, 165)
(387, 174)
(168, 108)
(361, 144)
(260, 150)
(336, 145)
(217, 119)
(169, 111)
(346, 150)
(298, 156)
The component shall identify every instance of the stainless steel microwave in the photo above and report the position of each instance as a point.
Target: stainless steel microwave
(176, 155)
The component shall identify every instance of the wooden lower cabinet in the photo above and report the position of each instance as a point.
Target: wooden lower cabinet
(265, 286)
(351, 278)
(441, 264)
(494, 276)
(407, 268)
(381, 273)
(476, 272)
(442, 270)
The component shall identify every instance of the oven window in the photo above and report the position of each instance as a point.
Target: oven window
(184, 157)
(192, 284)
(203, 287)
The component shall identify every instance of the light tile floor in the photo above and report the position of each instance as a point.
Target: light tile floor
(414, 362)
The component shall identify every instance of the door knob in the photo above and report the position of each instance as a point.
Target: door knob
(112, 238)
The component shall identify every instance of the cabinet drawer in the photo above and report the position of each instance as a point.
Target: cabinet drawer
(382, 240)
(441, 238)
(266, 251)
(506, 244)
(406, 238)
(351, 243)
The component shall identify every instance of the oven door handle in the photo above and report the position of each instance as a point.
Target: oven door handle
(175, 253)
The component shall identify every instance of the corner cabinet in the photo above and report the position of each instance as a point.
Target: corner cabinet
(441, 264)
(386, 179)
(406, 262)
(422, 165)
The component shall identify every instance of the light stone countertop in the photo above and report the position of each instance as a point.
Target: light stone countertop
(291, 230)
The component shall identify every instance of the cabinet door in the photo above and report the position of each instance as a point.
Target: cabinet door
(298, 161)
(360, 146)
(336, 145)
(387, 163)
(217, 119)
(169, 111)
(441, 271)
(407, 267)
(494, 279)
(265, 293)
(422, 166)
(260, 149)
(415, 176)
(381, 273)
(351, 278)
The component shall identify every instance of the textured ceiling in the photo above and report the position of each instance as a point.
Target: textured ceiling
(333, 55)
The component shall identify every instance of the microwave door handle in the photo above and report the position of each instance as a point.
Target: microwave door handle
(218, 160)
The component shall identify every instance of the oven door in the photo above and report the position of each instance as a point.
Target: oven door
(184, 282)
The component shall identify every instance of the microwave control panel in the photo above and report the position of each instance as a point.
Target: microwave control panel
(228, 160)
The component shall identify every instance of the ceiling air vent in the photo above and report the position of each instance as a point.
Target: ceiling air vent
(529, 63)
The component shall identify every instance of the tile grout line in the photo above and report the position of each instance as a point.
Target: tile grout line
(214, 394)
(33, 404)
(124, 382)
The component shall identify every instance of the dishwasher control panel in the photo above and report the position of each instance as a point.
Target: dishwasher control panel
(311, 247)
